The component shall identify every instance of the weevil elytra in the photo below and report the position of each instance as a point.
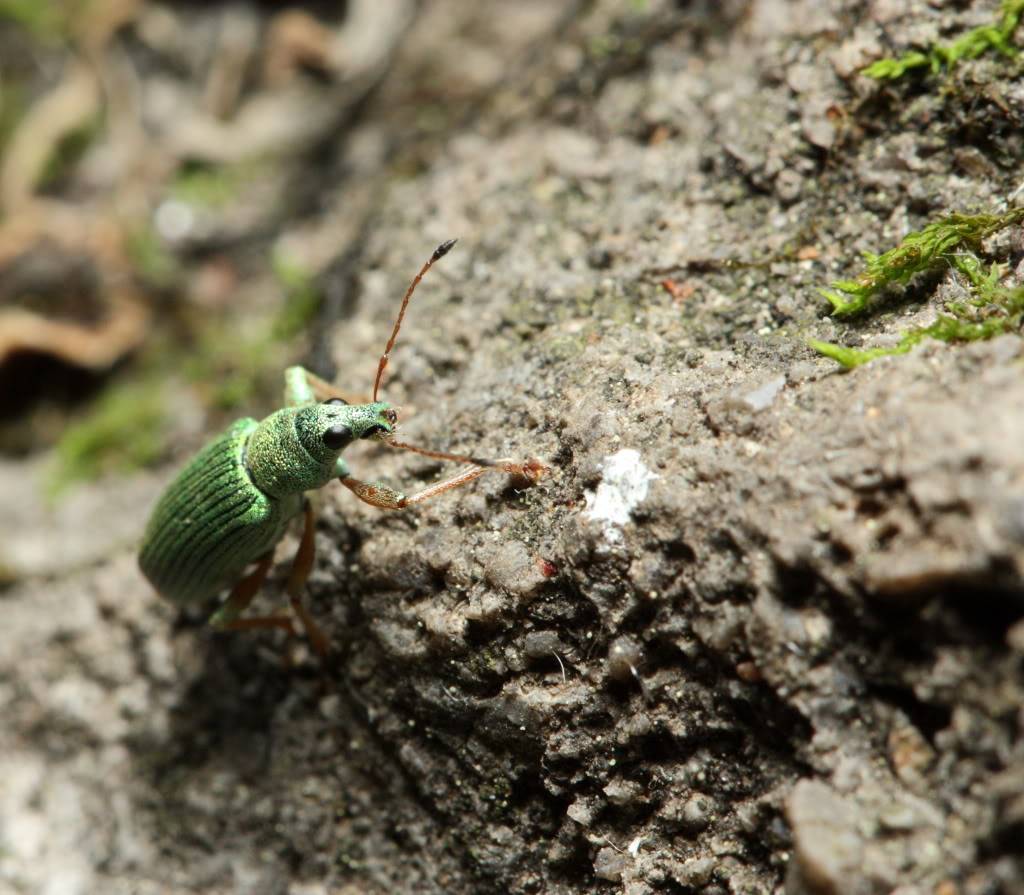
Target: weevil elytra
(231, 504)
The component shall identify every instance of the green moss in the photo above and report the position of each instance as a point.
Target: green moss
(44, 18)
(932, 248)
(993, 309)
(602, 46)
(971, 45)
(946, 329)
(210, 186)
(124, 430)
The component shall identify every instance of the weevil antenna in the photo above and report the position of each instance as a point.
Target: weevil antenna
(382, 365)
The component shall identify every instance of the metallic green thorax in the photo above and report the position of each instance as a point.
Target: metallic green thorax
(231, 504)
(287, 455)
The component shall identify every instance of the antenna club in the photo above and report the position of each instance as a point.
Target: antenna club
(442, 249)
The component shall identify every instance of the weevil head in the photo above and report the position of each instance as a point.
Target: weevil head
(296, 449)
(325, 430)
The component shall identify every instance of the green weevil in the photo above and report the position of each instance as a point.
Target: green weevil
(232, 503)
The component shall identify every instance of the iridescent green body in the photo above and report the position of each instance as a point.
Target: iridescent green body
(212, 521)
(233, 501)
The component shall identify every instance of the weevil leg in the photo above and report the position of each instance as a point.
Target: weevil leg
(531, 470)
(226, 618)
(388, 499)
(302, 565)
(261, 623)
(302, 387)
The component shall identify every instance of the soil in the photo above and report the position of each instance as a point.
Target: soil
(761, 625)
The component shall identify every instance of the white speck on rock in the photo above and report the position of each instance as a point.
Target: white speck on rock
(624, 483)
(762, 397)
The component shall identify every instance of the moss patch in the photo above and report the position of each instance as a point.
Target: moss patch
(210, 186)
(932, 248)
(206, 185)
(951, 242)
(123, 431)
(46, 19)
(971, 45)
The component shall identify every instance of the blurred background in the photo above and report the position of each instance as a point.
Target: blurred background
(182, 189)
(185, 195)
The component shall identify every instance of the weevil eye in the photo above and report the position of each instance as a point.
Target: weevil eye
(336, 401)
(337, 437)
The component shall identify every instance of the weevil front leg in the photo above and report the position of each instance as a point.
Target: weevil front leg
(386, 498)
(301, 387)
(226, 618)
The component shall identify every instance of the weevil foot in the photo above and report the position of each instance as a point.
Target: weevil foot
(318, 640)
(532, 470)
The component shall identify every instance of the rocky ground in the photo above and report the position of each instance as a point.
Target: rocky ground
(760, 626)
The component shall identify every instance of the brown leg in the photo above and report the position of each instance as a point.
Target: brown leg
(531, 470)
(227, 618)
(301, 567)
(260, 623)
(388, 499)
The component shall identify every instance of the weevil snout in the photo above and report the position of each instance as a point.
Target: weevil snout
(383, 425)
